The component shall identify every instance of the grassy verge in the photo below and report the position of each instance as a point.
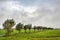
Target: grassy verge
(37, 35)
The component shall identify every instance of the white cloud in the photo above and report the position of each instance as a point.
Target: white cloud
(44, 13)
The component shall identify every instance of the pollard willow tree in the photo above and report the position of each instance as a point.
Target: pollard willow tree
(8, 24)
(19, 26)
(34, 28)
(25, 28)
(29, 27)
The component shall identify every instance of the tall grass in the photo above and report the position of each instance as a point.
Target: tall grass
(37, 35)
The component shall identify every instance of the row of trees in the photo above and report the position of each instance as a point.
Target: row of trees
(20, 26)
(9, 23)
(41, 28)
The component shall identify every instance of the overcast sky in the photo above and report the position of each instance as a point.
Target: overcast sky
(36, 12)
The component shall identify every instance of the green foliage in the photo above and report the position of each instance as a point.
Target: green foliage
(29, 27)
(19, 26)
(8, 24)
(25, 27)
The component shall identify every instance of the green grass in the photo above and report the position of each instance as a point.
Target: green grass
(41, 35)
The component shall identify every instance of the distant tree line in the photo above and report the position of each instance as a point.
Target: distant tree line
(9, 23)
(39, 28)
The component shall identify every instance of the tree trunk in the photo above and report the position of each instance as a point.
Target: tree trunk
(8, 32)
(25, 31)
(19, 31)
(34, 30)
(29, 30)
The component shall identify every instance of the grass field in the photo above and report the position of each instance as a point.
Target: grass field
(41, 35)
